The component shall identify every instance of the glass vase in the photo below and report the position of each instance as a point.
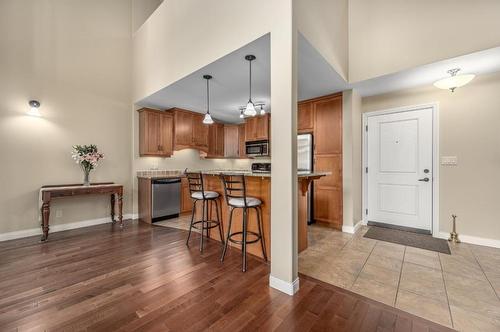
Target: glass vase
(86, 180)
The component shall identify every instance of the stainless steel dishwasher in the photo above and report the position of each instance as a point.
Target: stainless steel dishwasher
(166, 198)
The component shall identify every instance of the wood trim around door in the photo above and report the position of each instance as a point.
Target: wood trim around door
(435, 158)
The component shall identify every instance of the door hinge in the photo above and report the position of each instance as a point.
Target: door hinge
(366, 128)
(366, 211)
(366, 169)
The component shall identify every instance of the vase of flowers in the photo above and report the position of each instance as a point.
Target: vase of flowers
(87, 156)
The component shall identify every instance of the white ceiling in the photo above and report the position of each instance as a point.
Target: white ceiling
(229, 86)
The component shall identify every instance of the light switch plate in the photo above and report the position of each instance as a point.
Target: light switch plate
(449, 160)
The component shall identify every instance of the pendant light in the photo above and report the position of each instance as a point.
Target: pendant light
(454, 81)
(262, 110)
(208, 118)
(250, 108)
(241, 114)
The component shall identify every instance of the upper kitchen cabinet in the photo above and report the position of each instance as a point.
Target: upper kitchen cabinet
(200, 133)
(155, 133)
(215, 141)
(190, 132)
(257, 128)
(328, 125)
(241, 140)
(305, 118)
(231, 141)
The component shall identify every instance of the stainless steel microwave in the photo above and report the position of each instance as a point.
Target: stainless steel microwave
(257, 149)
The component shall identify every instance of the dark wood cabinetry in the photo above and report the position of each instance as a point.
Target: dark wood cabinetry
(257, 128)
(323, 117)
(155, 133)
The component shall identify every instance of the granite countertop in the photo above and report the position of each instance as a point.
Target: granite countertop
(164, 174)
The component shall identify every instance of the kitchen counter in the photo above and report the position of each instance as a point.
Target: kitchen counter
(180, 173)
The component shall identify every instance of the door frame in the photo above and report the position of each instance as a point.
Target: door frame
(434, 106)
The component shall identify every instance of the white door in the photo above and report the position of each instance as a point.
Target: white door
(400, 169)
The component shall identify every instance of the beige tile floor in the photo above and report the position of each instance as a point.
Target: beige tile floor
(460, 290)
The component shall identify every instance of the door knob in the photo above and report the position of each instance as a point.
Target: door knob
(424, 180)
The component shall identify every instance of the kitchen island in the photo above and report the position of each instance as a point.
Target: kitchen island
(258, 185)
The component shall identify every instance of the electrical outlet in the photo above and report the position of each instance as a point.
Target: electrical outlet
(449, 160)
(59, 213)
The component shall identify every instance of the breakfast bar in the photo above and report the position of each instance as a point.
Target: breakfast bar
(258, 185)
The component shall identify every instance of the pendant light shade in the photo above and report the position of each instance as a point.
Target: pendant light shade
(262, 110)
(454, 81)
(208, 118)
(250, 108)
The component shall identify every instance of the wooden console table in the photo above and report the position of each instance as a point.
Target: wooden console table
(47, 193)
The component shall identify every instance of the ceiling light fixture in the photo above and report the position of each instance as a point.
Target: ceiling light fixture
(34, 108)
(250, 108)
(241, 114)
(454, 81)
(208, 118)
(262, 110)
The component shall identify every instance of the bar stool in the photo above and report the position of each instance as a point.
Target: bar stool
(236, 198)
(198, 193)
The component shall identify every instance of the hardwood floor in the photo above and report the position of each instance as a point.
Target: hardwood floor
(144, 278)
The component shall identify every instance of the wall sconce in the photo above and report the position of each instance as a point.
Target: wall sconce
(34, 108)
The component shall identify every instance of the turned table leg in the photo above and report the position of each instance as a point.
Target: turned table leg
(120, 209)
(45, 220)
(113, 208)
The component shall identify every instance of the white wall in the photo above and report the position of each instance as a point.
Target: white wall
(469, 120)
(324, 23)
(387, 36)
(182, 36)
(351, 158)
(74, 57)
(141, 10)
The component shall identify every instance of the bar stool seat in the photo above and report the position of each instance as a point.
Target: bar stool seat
(239, 202)
(208, 195)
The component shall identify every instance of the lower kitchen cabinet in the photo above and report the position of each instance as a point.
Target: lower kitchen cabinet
(186, 201)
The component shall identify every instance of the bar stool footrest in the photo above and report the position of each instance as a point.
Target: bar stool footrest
(230, 238)
(211, 224)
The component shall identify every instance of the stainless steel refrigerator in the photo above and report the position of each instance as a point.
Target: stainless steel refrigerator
(305, 163)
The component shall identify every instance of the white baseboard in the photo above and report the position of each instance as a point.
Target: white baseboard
(481, 241)
(289, 288)
(352, 229)
(58, 228)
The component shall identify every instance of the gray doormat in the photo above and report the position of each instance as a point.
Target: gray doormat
(410, 239)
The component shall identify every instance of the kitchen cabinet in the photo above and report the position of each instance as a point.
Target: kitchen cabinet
(257, 128)
(328, 125)
(323, 117)
(216, 141)
(305, 118)
(155, 133)
(190, 131)
(186, 201)
(241, 139)
(231, 141)
(200, 133)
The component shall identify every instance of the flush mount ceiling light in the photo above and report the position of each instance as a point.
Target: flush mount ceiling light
(250, 108)
(454, 81)
(208, 118)
(34, 108)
